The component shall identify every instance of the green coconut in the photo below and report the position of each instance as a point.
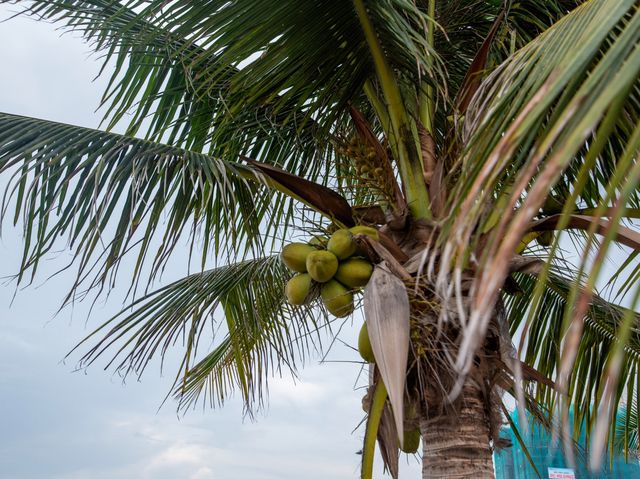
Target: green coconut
(298, 288)
(365, 230)
(553, 205)
(354, 272)
(364, 345)
(294, 256)
(342, 244)
(337, 298)
(411, 441)
(318, 241)
(545, 238)
(322, 265)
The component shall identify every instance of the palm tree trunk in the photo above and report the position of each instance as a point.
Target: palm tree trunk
(457, 444)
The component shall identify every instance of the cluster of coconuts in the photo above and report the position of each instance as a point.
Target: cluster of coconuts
(332, 264)
(335, 266)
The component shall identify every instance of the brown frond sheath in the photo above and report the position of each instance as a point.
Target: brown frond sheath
(369, 215)
(387, 250)
(473, 76)
(625, 236)
(428, 147)
(366, 134)
(388, 442)
(319, 197)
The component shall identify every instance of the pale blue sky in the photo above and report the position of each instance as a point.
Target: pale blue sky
(59, 424)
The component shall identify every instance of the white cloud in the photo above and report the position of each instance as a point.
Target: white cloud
(10, 341)
(181, 455)
(298, 393)
(203, 473)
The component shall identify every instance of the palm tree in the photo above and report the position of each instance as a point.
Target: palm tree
(491, 144)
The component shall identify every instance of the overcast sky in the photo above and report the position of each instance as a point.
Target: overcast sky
(59, 424)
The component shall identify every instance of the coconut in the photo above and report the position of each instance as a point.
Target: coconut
(411, 441)
(322, 265)
(365, 230)
(364, 345)
(342, 244)
(337, 299)
(294, 256)
(318, 241)
(298, 288)
(354, 272)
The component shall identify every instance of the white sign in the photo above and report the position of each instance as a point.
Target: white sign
(561, 473)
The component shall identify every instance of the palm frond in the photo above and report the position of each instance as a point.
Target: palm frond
(171, 88)
(544, 85)
(526, 125)
(465, 25)
(540, 324)
(174, 70)
(256, 333)
(302, 60)
(107, 194)
(627, 433)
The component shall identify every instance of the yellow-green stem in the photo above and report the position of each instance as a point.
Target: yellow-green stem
(371, 432)
(410, 165)
(427, 100)
(378, 106)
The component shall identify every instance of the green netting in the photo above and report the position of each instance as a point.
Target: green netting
(512, 462)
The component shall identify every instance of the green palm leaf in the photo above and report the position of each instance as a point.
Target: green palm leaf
(173, 51)
(627, 433)
(256, 332)
(106, 194)
(540, 325)
(159, 78)
(527, 124)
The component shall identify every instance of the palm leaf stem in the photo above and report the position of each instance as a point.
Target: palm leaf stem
(371, 434)
(409, 162)
(597, 224)
(426, 97)
(378, 107)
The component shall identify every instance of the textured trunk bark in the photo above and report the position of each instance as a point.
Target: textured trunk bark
(456, 444)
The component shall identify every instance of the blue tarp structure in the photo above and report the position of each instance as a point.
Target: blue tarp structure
(512, 462)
